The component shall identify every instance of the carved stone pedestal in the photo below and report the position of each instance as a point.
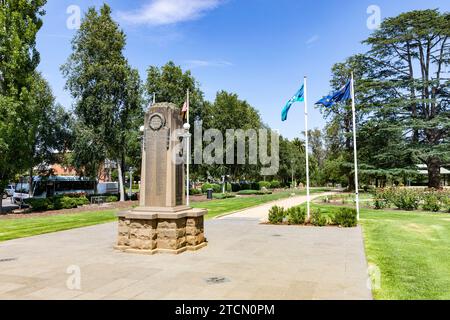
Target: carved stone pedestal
(150, 232)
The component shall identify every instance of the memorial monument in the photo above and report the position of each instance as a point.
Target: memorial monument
(162, 223)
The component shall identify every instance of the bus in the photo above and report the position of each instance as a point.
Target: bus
(46, 187)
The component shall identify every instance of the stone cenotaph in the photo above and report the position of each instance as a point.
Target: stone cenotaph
(162, 223)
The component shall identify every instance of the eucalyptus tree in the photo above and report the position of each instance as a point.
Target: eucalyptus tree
(107, 92)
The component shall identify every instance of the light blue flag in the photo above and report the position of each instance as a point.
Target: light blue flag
(298, 97)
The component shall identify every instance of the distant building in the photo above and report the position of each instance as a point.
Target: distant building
(445, 174)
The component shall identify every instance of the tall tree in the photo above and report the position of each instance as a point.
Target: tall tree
(170, 83)
(19, 23)
(48, 133)
(107, 91)
(410, 55)
(340, 114)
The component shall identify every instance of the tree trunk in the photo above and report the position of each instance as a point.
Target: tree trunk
(120, 174)
(30, 182)
(434, 173)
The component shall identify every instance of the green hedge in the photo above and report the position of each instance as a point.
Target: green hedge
(57, 203)
(346, 217)
(217, 188)
(253, 192)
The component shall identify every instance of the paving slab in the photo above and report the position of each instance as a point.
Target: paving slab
(244, 259)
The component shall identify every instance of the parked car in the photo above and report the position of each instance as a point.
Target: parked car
(9, 190)
(21, 192)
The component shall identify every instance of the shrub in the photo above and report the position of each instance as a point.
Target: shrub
(406, 199)
(253, 192)
(318, 219)
(431, 201)
(276, 215)
(224, 196)
(346, 217)
(39, 204)
(217, 188)
(275, 184)
(235, 187)
(64, 203)
(81, 201)
(194, 192)
(264, 184)
(296, 215)
(245, 186)
(379, 199)
(112, 199)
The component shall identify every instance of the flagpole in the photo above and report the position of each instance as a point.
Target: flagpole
(355, 149)
(188, 157)
(308, 200)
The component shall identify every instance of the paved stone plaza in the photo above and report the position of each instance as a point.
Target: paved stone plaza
(243, 260)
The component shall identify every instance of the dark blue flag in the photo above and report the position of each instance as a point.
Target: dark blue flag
(344, 94)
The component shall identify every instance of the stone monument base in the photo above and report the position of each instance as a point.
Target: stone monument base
(161, 230)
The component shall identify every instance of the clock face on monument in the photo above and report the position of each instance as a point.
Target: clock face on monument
(156, 122)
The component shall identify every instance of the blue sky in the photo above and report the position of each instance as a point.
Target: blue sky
(259, 49)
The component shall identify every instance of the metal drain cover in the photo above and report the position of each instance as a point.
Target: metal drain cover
(8, 259)
(217, 280)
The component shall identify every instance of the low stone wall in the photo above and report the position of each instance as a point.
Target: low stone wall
(159, 234)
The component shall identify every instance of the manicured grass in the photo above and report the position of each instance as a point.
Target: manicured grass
(219, 207)
(27, 227)
(411, 250)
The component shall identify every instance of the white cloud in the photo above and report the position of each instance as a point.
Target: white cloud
(207, 63)
(164, 12)
(313, 39)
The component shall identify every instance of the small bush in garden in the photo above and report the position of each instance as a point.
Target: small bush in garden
(112, 199)
(81, 201)
(64, 203)
(318, 219)
(276, 215)
(253, 192)
(379, 199)
(346, 217)
(275, 184)
(406, 199)
(264, 184)
(39, 204)
(194, 192)
(296, 215)
(431, 201)
(224, 196)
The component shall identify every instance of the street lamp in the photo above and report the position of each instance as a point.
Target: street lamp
(131, 182)
(187, 136)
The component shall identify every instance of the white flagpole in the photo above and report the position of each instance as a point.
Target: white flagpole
(355, 148)
(188, 157)
(308, 204)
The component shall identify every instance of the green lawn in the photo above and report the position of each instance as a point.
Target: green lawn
(412, 251)
(26, 227)
(219, 207)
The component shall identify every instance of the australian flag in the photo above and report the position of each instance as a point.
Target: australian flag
(344, 94)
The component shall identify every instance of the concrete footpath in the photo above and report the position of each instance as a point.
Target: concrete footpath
(243, 260)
